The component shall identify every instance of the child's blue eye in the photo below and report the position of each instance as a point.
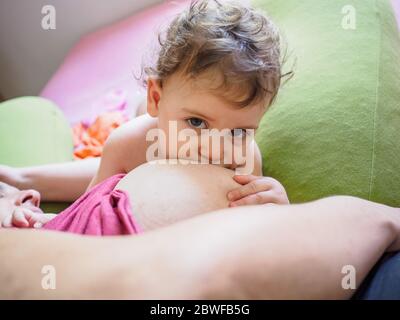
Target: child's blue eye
(197, 123)
(240, 133)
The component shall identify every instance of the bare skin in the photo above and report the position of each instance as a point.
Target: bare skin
(162, 194)
(237, 252)
(229, 259)
(205, 186)
(74, 176)
(55, 182)
(189, 104)
(20, 208)
(248, 252)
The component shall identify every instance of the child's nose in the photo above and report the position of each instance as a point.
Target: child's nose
(28, 196)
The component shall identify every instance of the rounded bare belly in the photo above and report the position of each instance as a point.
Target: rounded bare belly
(161, 194)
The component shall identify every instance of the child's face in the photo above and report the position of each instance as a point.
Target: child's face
(11, 198)
(190, 105)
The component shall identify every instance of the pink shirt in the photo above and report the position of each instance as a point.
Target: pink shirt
(102, 211)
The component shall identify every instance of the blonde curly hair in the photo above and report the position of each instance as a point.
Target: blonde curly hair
(239, 42)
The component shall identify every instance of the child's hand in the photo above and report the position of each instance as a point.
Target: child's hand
(257, 190)
(25, 218)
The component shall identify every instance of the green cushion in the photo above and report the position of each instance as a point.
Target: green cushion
(33, 131)
(335, 127)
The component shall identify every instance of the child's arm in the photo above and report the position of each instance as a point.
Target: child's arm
(110, 163)
(125, 148)
(55, 182)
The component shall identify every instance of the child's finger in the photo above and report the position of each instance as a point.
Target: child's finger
(19, 219)
(38, 225)
(244, 179)
(44, 217)
(255, 186)
(30, 216)
(258, 198)
(39, 218)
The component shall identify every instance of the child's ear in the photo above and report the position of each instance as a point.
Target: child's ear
(154, 91)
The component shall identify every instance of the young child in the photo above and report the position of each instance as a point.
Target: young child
(218, 69)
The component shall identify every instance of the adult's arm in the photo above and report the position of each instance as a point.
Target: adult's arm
(270, 251)
(55, 182)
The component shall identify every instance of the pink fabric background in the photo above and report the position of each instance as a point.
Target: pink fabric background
(106, 60)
